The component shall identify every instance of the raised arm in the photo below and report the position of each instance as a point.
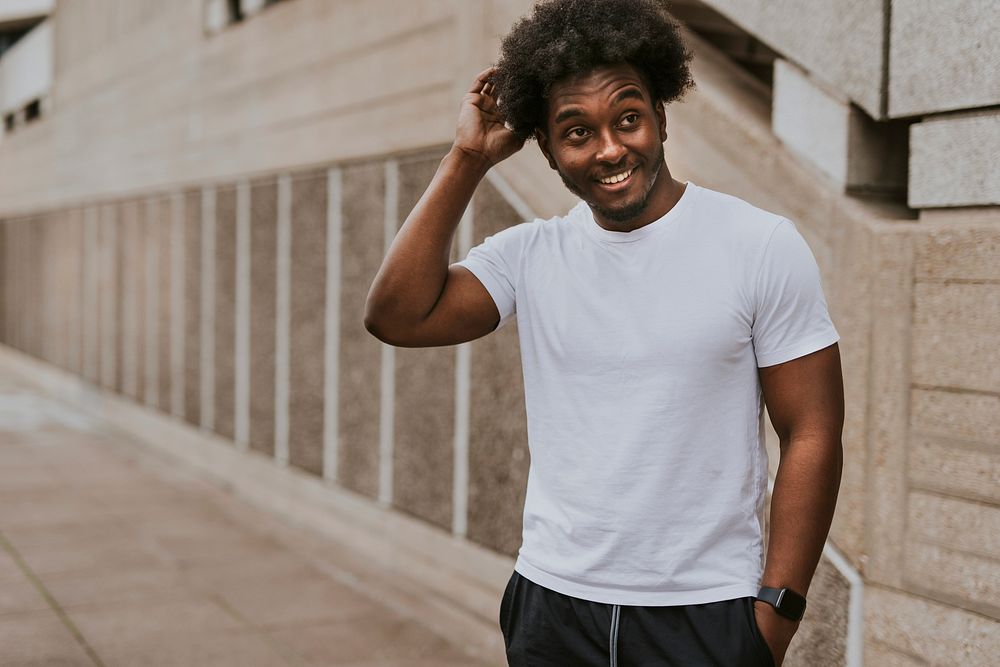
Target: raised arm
(805, 400)
(416, 299)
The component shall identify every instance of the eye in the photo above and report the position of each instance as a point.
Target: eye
(577, 133)
(630, 119)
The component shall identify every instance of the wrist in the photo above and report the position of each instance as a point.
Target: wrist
(784, 601)
(467, 158)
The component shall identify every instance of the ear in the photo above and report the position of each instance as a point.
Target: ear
(543, 145)
(661, 117)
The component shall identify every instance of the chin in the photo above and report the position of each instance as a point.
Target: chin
(624, 213)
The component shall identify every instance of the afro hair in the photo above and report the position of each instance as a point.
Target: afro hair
(563, 38)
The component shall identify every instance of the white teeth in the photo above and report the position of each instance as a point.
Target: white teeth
(618, 178)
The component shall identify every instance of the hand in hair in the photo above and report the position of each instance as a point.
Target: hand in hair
(481, 131)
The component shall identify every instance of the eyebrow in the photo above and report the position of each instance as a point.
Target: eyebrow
(628, 93)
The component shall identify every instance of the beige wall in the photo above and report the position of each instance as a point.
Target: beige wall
(155, 107)
(144, 98)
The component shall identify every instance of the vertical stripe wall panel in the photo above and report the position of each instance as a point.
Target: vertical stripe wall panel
(359, 391)
(108, 296)
(139, 277)
(225, 311)
(192, 306)
(424, 423)
(163, 235)
(4, 284)
(307, 310)
(151, 308)
(263, 295)
(123, 283)
(178, 307)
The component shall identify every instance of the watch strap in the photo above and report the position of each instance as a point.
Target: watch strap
(785, 601)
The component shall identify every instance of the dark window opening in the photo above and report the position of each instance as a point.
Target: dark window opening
(33, 110)
(235, 10)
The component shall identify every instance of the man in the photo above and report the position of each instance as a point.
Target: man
(655, 320)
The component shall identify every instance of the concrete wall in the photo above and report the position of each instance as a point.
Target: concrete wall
(197, 223)
(854, 66)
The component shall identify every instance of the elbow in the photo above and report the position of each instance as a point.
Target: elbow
(373, 324)
(381, 328)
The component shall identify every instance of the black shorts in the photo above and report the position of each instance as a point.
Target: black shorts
(543, 628)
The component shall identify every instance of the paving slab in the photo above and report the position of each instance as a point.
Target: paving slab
(111, 554)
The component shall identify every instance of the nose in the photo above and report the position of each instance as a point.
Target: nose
(610, 149)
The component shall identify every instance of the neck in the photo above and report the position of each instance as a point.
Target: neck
(663, 196)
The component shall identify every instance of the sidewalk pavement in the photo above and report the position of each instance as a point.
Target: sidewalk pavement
(112, 555)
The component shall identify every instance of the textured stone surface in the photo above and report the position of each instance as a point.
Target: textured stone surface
(308, 323)
(883, 656)
(424, 436)
(18, 249)
(888, 402)
(935, 633)
(70, 288)
(498, 438)
(956, 577)
(12, 284)
(968, 144)
(822, 636)
(948, 355)
(108, 296)
(164, 233)
(943, 56)
(954, 523)
(5, 288)
(192, 306)
(150, 359)
(976, 306)
(849, 296)
(131, 283)
(225, 310)
(46, 305)
(360, 360)
(263, 260)
(961, 415)
(955, 340)
(122, 220)
(962, 252)
(955, 468)
(47, 301)
(34, 331)
(15, 242)
(842, 42)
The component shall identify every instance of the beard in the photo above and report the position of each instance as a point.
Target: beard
(628, 211)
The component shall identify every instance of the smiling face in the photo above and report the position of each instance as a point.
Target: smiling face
(604, 135)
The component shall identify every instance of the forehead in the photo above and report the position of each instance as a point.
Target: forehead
(599, 85)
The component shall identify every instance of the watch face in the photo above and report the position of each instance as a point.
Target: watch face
(790, 604)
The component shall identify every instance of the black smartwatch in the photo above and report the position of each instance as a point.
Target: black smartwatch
(785, 601)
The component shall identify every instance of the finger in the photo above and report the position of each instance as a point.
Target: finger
(482, 79)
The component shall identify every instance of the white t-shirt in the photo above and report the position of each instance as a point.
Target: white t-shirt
(645, 414)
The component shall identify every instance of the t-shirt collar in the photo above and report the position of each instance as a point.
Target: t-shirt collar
(604, 235)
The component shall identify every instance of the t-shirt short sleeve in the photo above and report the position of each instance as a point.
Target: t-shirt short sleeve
(791, 318)
(494, 263)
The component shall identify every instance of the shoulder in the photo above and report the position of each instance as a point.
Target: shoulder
(737, 218)
(542, 230)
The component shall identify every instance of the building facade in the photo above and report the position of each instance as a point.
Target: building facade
(196, 195)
